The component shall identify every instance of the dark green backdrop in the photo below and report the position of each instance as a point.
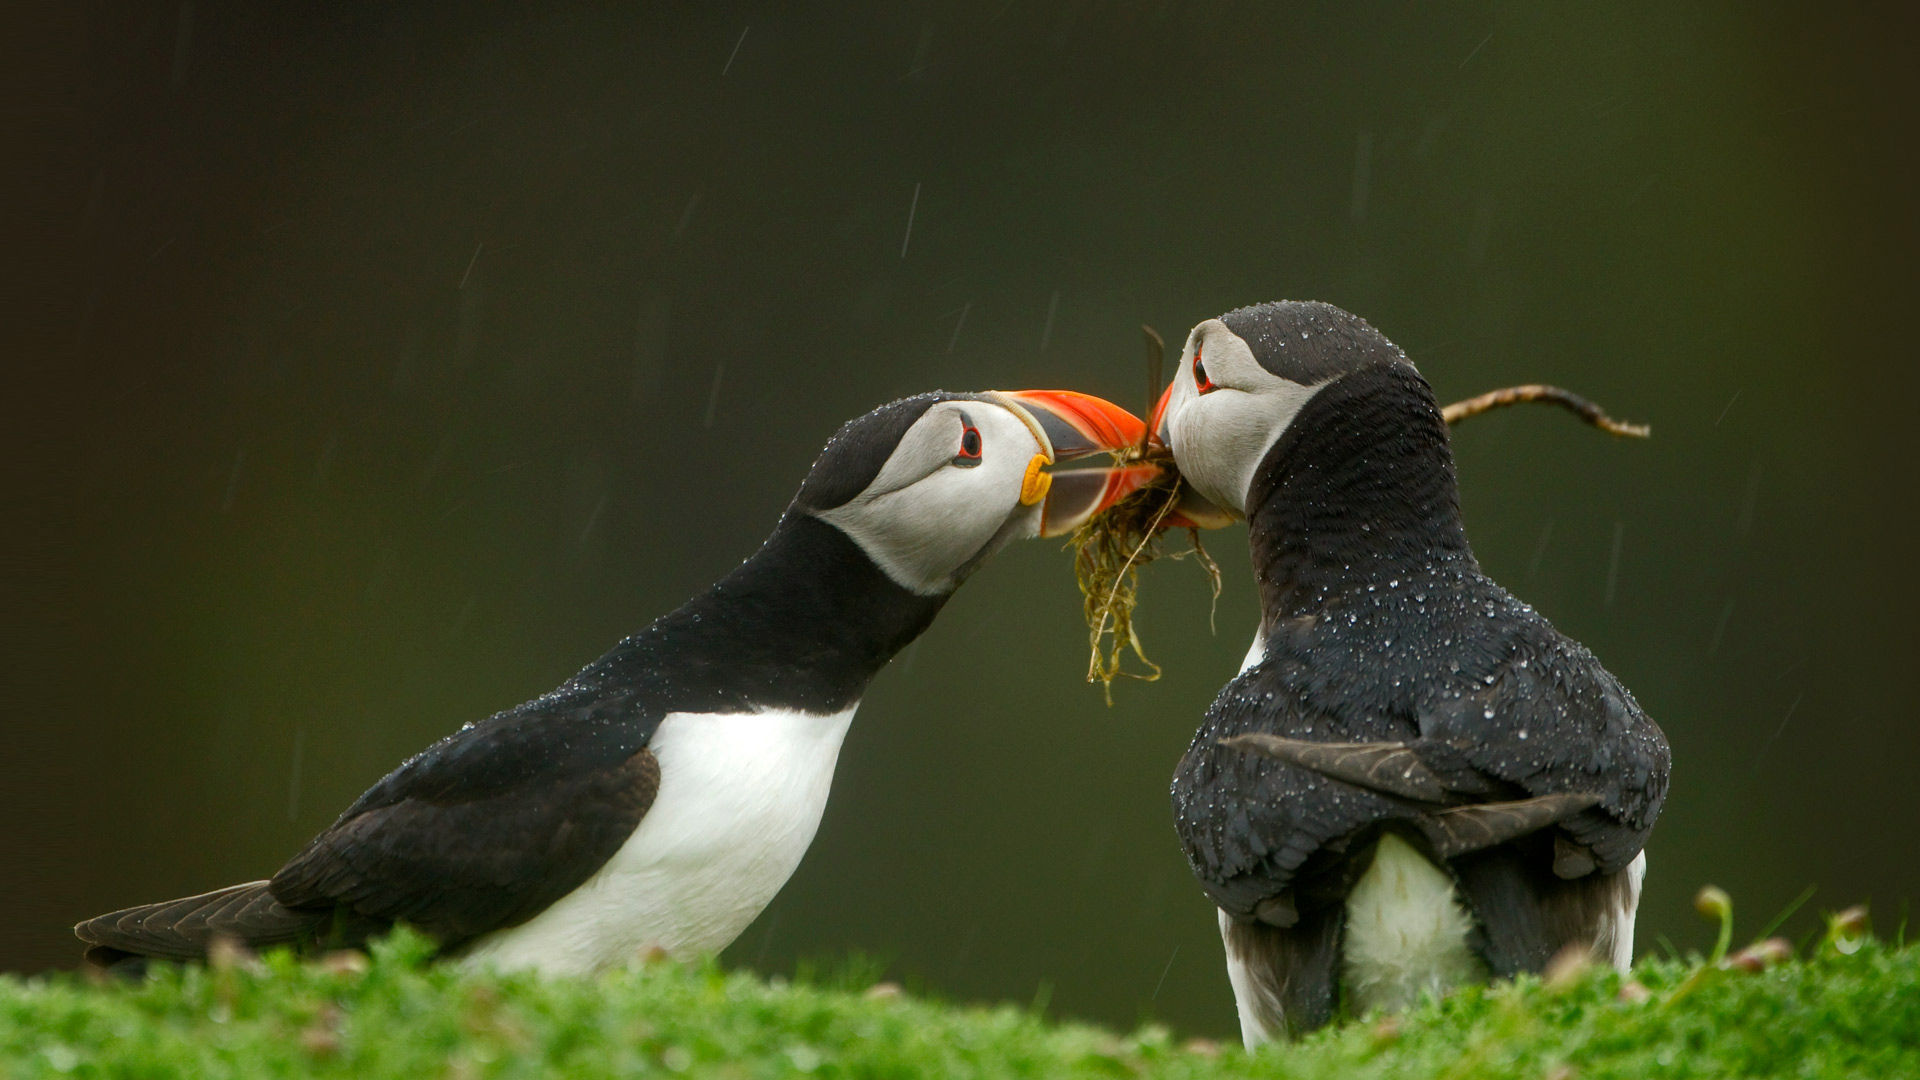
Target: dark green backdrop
(380, 368)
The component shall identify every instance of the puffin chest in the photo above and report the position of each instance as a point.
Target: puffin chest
(740, 798)
(740, 794)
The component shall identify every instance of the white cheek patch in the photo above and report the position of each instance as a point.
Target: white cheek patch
(924, 532)
(1219, 438)
(926, 447)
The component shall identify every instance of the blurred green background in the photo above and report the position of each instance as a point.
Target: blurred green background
(380, 365)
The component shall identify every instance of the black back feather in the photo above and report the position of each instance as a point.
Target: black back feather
(1381, 628)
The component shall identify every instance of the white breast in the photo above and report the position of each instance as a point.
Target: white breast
(740, 798)
(1407, 932)
(1615, 939)
(1256, 652)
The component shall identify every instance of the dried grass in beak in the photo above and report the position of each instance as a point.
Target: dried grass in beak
(1108, 552)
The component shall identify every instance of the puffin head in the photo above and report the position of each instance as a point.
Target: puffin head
(931, 485)
(1245, 377)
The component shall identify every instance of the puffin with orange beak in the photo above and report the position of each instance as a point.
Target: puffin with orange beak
(1415, 780)
(659, 799)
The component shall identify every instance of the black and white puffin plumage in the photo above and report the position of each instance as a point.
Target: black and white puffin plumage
(1415, 780)
(663, 795)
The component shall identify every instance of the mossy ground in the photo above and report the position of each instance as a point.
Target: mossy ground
(1833, 1015)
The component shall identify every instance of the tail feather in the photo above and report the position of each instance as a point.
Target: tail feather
(183, 929)
(1463, 830)
(1392, 767)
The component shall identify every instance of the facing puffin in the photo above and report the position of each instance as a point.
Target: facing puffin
(1415, 780)
(663, 795)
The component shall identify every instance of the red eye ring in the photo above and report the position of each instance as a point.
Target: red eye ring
(970, 444)
(1200, 378)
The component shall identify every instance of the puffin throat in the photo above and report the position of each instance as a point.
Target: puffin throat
(1359, 489)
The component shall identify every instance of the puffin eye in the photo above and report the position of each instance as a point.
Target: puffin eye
(1200, 373)
(969, 454)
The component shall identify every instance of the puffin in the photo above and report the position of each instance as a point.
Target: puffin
(660, 798)
(1414, 781)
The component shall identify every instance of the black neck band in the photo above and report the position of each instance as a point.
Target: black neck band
(804, 624)
(1360, 486)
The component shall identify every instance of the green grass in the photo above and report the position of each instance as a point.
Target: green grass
(1830, 1015)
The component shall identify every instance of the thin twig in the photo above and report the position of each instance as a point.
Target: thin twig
(1551, 395)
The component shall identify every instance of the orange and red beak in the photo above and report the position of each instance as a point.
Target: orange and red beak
(1157, 423)
(1070, 428)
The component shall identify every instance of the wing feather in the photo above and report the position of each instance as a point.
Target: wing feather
(484, 831)
(480, 832)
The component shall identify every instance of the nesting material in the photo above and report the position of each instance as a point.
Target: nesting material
(1108, 552)
(1110, 549)
(1540, 393)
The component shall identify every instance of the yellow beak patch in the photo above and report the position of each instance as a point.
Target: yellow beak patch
(1037, 482)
